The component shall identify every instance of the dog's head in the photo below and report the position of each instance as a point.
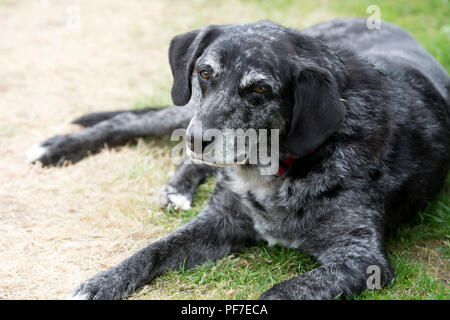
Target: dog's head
(255, 76)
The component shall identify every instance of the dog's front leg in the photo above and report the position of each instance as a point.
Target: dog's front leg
(352, 258)
(347, 275)
(208, 237)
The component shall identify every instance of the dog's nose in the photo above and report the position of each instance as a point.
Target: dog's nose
(196, 138)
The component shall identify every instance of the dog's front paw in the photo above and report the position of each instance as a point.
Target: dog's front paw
(57, 151)
(176, 199)
(106, 285)
(297, 289)
(274, 294)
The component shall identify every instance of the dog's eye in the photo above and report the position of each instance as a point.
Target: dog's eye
(205, 74)
(258, 89)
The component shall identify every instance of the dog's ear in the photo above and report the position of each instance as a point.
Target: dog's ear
(184, 51)
(317, 112)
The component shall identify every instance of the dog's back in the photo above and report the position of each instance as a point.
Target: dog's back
(390, 48)
(423, 147)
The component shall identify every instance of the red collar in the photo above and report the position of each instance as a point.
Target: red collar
(285, 164)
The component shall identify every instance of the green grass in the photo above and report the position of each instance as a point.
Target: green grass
(419, 252)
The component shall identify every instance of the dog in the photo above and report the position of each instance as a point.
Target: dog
(363, 119)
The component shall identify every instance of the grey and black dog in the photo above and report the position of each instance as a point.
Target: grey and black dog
(373, 105)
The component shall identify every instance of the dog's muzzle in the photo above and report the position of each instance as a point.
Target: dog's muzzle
(211, 146)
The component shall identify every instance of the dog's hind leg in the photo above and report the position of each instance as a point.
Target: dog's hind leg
(179, 191)
(117, 130)
(91, 119)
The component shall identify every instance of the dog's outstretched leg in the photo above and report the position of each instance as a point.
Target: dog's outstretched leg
(92, 119)
(180, 190)
(211, 235)
(117, 130)
(352, 258)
